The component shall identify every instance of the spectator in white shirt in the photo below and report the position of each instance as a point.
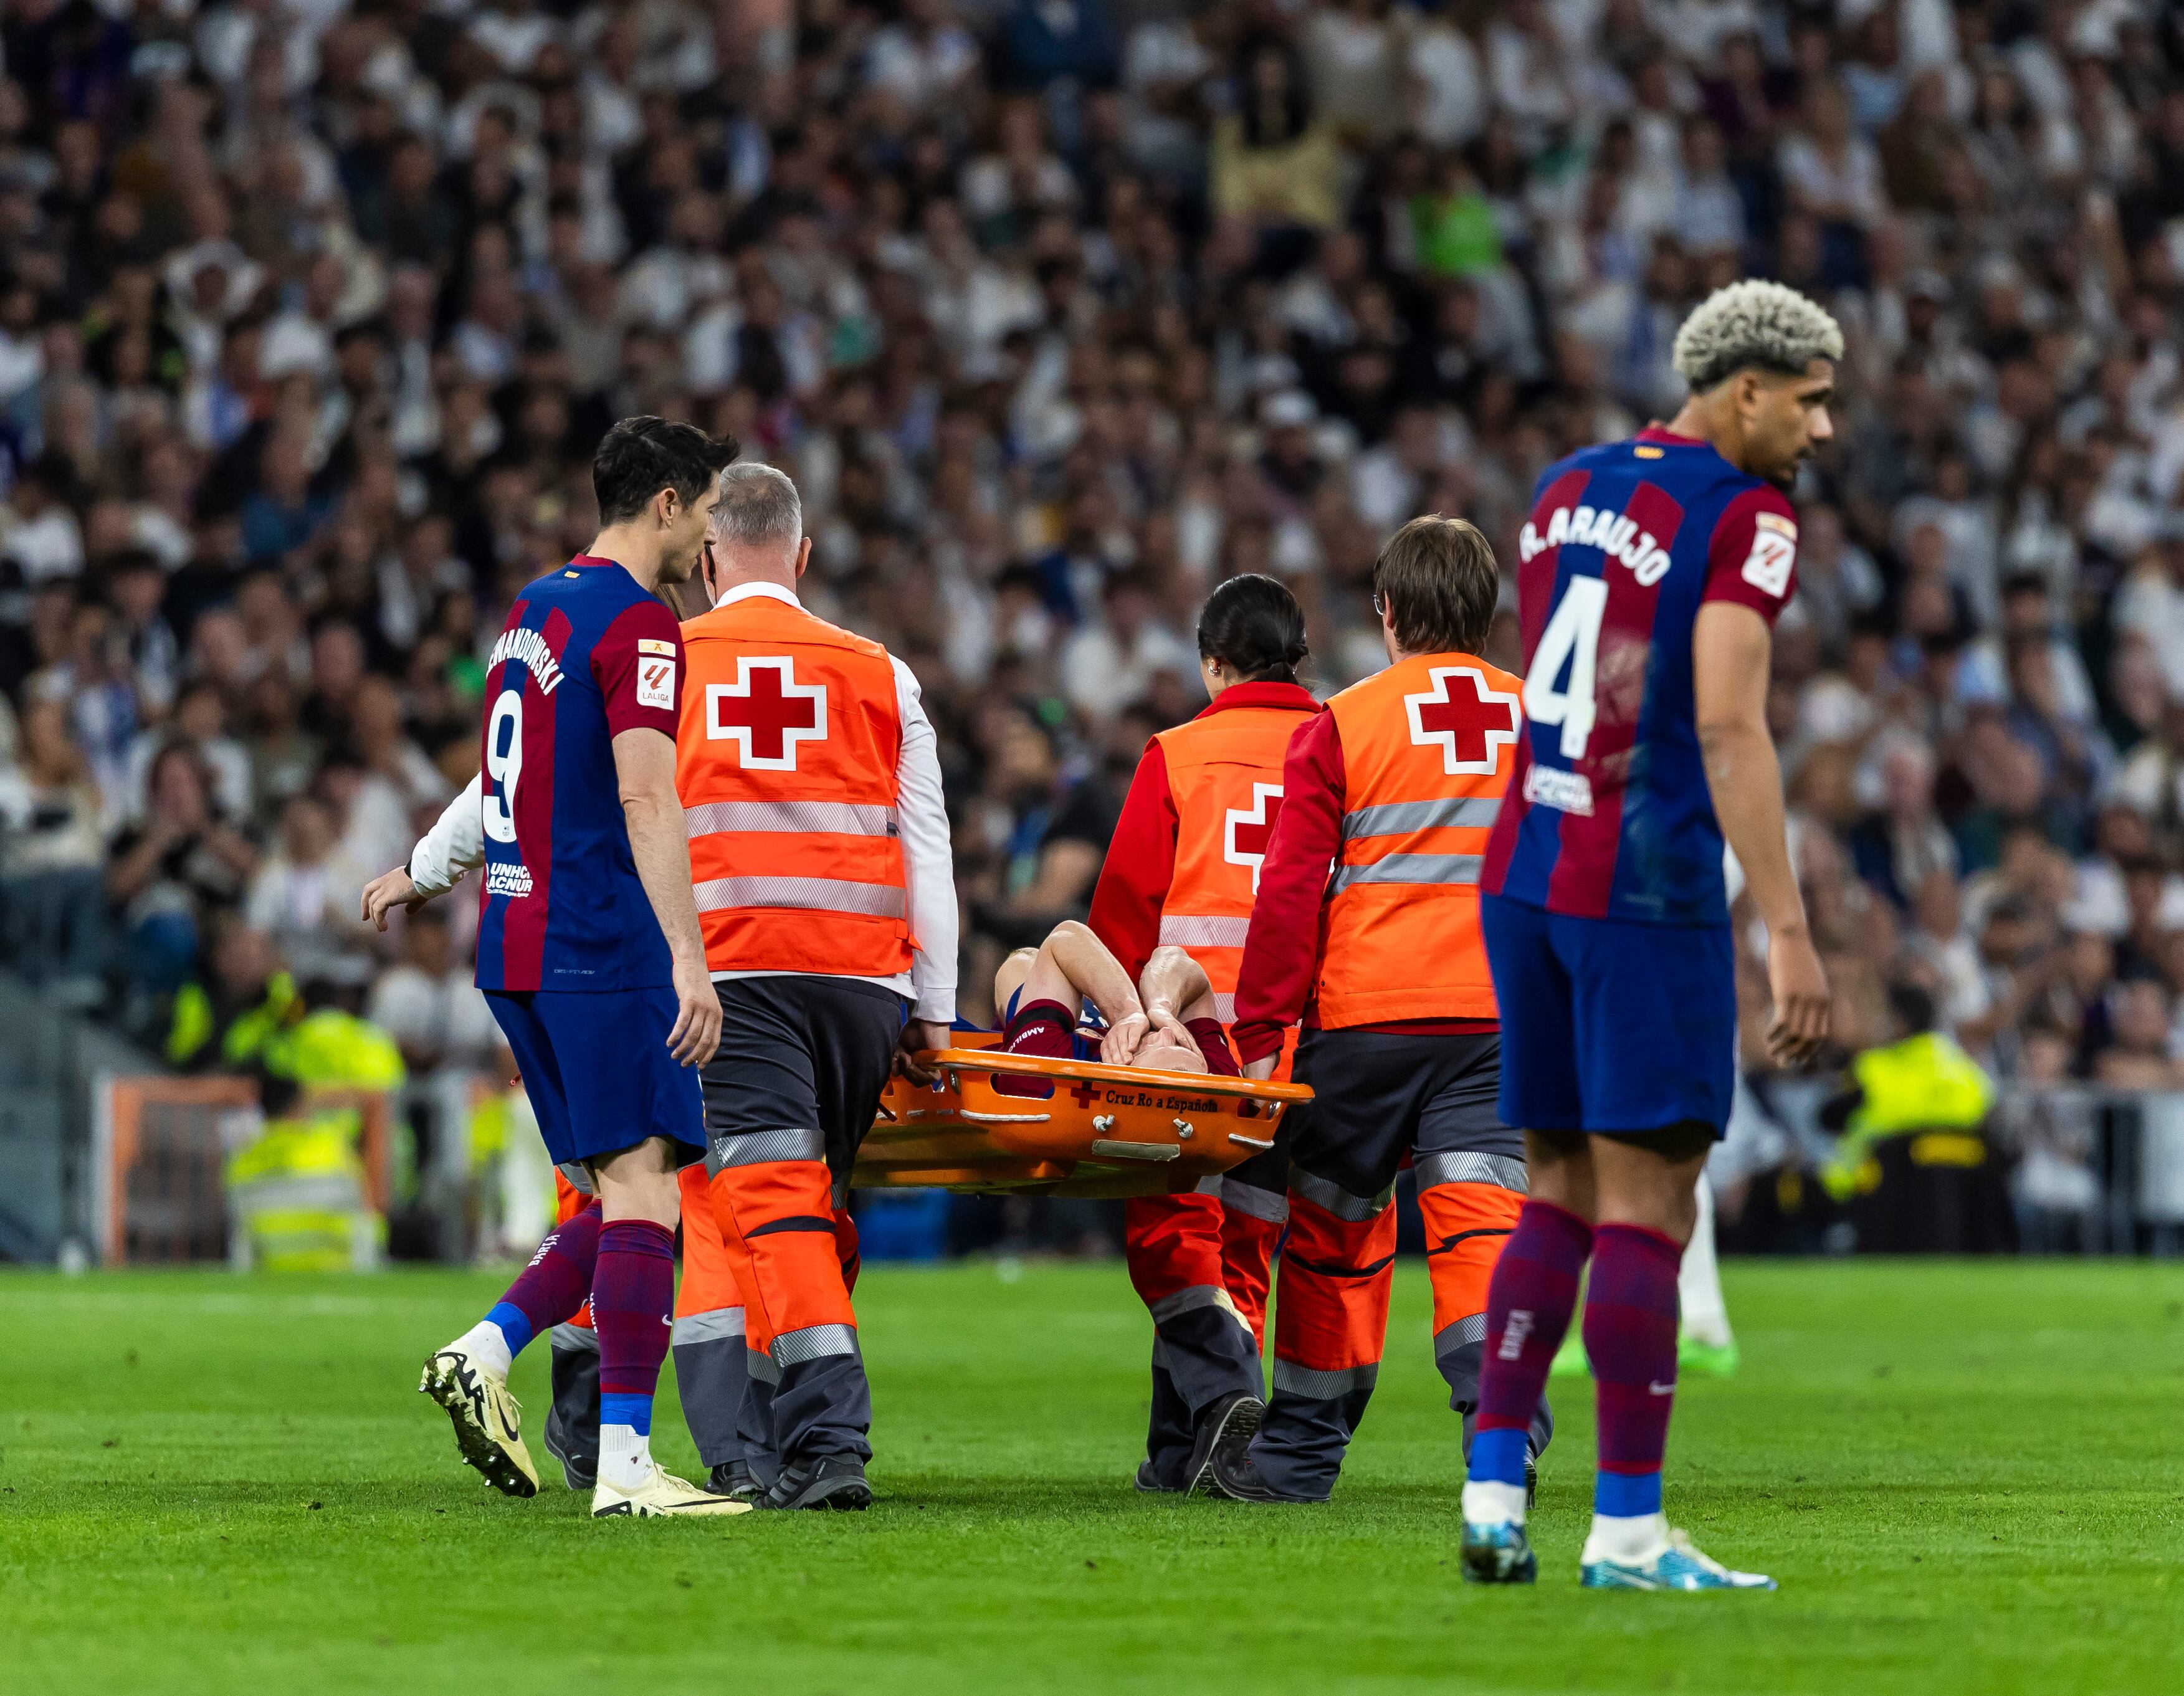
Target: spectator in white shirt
(306, 897)
(1106, 666)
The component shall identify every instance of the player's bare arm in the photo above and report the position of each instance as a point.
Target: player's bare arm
(659, 843)
(1083, 963)
(1730, 650)
(1174, 987)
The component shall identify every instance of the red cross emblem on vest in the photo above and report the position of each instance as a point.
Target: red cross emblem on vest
(1246, 830)
(1469, 721)
(766, 712)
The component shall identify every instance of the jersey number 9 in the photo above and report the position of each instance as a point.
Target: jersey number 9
(503, 764)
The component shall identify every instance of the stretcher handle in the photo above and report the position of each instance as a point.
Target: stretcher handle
(1098, 1071)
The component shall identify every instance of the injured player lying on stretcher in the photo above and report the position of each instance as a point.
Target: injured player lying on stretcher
(1070, 999)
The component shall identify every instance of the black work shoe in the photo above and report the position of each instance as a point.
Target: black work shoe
(1236, 1476)
(578, 1471)
(837, 1482)
(1151, 1483)
(572, 1421)
(1225, 1429)
(735, 1480)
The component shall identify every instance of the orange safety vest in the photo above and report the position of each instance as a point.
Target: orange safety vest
(786, 763)
(1224, 775)
(1428, 745)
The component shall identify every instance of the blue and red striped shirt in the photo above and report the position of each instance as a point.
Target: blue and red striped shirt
(1608, 814)
(586, 654)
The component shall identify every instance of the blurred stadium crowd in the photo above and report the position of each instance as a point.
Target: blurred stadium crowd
(1059, 312)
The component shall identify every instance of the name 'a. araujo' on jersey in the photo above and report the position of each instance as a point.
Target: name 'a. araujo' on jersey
(1608, 814)
(586, 654)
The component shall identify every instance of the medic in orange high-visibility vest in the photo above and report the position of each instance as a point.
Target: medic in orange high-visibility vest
(1396, 784)
(1182, 870)
(826, 889)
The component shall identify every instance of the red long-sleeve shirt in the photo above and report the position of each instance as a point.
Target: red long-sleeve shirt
(1281, 950)
(1140, 863)
(1282, 947)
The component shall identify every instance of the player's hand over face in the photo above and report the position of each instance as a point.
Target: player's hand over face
(1801, 1001)
(1124, 1037)
(919, 1036)
(1167, 1028)
(386, 892)
(697, 1030)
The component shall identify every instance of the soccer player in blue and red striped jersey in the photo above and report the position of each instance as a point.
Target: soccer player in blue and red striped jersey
(1648, 581)
(590, 952)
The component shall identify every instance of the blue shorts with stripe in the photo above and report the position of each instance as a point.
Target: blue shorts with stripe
(1609, 1025)
(597, 1069)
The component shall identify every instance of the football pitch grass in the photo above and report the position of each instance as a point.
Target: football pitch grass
(1966, 1478)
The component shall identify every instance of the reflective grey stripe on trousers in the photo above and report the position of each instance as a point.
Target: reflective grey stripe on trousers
(824, 818)
(1293, 1380)
(813, 1343)
(716, 1326)
(1203, 930)
(1503, 1172)
(759, 1364)
(581, 1337)
(1258, 1203)
(1471, 1328)
(1406, 868)
(757, 1147)
(1398, 818)
(816, 894)
(1190, 1300)
(1337, 1200)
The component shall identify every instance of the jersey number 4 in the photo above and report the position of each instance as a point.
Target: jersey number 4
(1571, 641)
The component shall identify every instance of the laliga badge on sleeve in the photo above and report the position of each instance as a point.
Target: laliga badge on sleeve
(1774, 552)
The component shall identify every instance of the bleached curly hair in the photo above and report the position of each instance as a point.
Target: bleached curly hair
(1753, 323)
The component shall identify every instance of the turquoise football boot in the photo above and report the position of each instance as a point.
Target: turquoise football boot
(1498, 1554)
(1680, 1566)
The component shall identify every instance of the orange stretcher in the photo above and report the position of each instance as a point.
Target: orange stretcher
(1082, 1129)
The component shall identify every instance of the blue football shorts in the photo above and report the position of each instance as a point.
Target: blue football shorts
(1611, 1026)
(596, 1067)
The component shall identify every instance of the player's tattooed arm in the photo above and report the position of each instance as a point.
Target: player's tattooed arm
(1731, 648)
(660, 843)
(452, 847)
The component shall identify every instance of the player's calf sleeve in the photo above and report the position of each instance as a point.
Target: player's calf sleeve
(551, 1291)
(1529, 1301)
(1039, 1027)
(632, 1291)
(1630, 1337)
